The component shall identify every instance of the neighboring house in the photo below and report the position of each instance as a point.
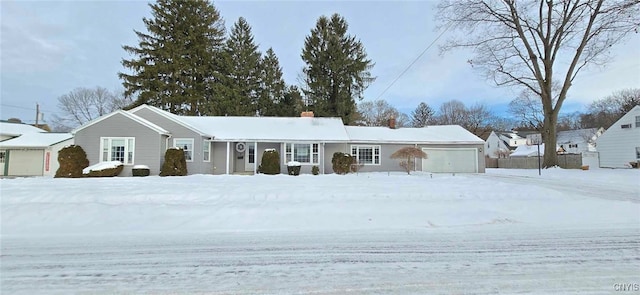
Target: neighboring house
(32, 154)
(512, 139)
(10, 130)
(530, 151)
(231, 145)
(620, 144)
(495, 147)
(579, 141)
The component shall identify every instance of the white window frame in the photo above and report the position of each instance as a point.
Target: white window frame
(206, 151)
(291, 148)
(637, 121)
(3, 157)
(190, 141)
(374, 156)
(129, 149)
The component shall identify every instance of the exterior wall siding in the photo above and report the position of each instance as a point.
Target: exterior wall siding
(617, 146)
(53, 157)
(148, 143)
(198, 165)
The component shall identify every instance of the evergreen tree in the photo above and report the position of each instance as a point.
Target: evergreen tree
(244, 72)
(337, 69)
(422, 116)
(291, 104)
(178, 65)
(272, 87)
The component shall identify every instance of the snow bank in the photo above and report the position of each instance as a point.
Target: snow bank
(102, 166)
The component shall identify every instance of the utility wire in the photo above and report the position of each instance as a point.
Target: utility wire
(416, 59)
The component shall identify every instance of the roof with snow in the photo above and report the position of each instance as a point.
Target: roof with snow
(529, 151)
(443, 134)
(574, 136)
(35, 140)
(15, 129)
(273, 129)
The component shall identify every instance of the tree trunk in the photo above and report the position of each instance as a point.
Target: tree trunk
(549, 138)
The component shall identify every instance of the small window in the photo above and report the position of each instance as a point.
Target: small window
(637, 121)
(625, 126)
(206, 151)
(638, 153)
(575, 145)
(186, 144)
(2, 156)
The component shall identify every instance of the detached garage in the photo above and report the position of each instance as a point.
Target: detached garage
(33, 154)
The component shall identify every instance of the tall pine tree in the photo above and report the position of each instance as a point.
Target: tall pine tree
(272, 88)
(422, 116)
(337, 69)
(178, 64)
(244, 71)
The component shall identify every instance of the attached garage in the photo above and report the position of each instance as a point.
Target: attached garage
(25, 163)
(450, 160)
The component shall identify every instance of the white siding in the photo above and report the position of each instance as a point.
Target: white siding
(617, 146)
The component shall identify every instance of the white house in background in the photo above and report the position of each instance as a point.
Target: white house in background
(579, 141)
(620, 144)
(512, 139)
(32, 154)
(494, 145)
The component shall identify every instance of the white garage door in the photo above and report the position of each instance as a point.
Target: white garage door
(25, 162)
(450, 160)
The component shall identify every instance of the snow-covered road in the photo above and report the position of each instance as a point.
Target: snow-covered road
(466, 260)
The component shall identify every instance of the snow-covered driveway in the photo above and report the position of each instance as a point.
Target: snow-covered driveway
(508, 231)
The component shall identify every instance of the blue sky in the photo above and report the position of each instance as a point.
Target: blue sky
(48, 48)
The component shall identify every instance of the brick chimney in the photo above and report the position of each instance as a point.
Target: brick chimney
(392, 123)
(308, 114)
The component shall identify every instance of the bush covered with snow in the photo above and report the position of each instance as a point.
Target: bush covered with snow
(140, 170)
(341, 162)
(104, 169)
(293, 168)
(175, 164)
(72, 160)
(270, 163)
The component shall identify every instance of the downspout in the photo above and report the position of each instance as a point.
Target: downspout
(6, 162)
(228, 143)
(324, 154)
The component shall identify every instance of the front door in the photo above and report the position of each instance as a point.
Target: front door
(250, 157)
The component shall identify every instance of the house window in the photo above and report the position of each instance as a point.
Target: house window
(186, 144)
(573, 145)
(638, 153)
(366, 154)
(117, 149)
(625, 126)
(305, 153)
(2, 156)
(206, 151)
(637, 121)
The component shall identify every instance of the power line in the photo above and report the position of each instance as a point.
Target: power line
(18, 107)
(415, 60)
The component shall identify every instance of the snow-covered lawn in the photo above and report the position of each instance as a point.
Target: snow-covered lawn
(503, 231)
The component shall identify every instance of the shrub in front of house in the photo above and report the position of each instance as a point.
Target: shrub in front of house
(270, 163)
(140, 170)
(341, 163)
(72, 160)
(107, 172)
(315, 170)
(175, 164)
(293, 168)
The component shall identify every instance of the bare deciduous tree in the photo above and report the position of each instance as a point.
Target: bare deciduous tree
(85, 104)
(537, 43)
(408, 156)
(378, 113)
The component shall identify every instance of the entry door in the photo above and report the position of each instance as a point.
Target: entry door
(250, 157)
